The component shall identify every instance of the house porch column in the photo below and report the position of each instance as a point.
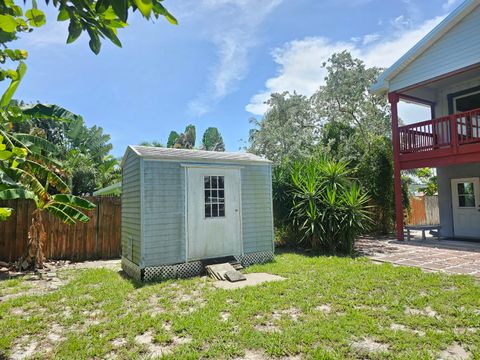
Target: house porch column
(393, 98)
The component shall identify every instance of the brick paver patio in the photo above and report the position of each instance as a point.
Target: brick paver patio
(447, 256)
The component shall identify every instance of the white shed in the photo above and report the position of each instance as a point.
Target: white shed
(182, 207)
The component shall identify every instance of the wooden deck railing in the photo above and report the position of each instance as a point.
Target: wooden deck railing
(437, 133)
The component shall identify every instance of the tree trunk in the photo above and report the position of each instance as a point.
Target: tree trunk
(34, 258)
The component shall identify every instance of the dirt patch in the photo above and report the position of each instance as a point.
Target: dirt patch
(267, 327)
(454, 352)
(293, 313)
(224, 315)
(428, 311)
(325, 308)
(119, 342)
(463, 330)
(252, 355)
(55, 333)
(368, 345)
(24, 349)
(400, 327)
(155, 308)
(158, 350)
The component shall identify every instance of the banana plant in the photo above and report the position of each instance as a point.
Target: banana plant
(28, 170)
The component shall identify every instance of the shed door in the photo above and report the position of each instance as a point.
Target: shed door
(466, 207)
(213, 212)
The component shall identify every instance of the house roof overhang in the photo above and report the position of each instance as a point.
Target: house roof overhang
(382, 86)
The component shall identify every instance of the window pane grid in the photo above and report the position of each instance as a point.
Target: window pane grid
(214, 190)
(466, 194)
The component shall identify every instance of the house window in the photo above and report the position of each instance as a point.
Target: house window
(214, 196)
(466, 195)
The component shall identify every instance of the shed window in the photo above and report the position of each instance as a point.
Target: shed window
(214, 188)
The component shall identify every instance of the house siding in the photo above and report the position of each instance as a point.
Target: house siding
(131, 208)
(457, 49)
(164, 215)
(444, 176)
(441, 101)
(257, 224)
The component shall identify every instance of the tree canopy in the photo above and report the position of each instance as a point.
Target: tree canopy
(212, 140)
(343, 121)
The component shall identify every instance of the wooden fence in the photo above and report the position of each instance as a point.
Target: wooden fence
(100, 238)
(424, 211)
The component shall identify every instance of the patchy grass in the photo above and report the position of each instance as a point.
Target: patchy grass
(328, 308)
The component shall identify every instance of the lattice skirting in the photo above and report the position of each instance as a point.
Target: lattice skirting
(132, 270)
(256, 258)
(184, 270)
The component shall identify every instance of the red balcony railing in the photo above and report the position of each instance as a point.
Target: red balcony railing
(437, 133)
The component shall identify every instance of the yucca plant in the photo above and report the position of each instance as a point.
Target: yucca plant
(28, 171)
(329, 210)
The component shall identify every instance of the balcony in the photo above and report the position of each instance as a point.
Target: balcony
(442, 141)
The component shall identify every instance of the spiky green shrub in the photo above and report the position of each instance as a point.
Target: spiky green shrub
(328, 209)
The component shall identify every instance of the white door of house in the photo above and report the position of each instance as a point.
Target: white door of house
(466, 207)
(213, 212)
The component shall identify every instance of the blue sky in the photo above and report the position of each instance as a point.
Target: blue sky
(218, 66)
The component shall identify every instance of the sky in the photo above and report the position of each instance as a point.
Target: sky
(219, 65)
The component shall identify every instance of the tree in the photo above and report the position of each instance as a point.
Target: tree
(27, 166)
(28, 171)
(341, 120)
(212, 140)
(346, 98)
(356, 127)
(84, 151)
(186, 140)
(153, 143)
(428, 177)
(289, 129)
(172, 139)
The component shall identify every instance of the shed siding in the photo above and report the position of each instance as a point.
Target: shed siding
(257, 224)
(164, 217)
(457, 49)
(131, 218)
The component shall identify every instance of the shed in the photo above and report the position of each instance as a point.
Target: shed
(181, 208)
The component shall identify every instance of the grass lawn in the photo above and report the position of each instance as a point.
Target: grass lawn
(327, 308)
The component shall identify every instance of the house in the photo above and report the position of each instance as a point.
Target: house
(182, 207)
(442, 71)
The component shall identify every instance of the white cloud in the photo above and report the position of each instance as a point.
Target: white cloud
(450, 4)
(300, 61)
(370, 38)
(53, 33)
(234, 34)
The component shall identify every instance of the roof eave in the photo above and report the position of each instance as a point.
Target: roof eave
(383, 83)
(124, 158)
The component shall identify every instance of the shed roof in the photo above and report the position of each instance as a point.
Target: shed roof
(382, 84)
(157, 153)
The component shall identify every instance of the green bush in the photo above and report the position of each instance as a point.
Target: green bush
(327, 209)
